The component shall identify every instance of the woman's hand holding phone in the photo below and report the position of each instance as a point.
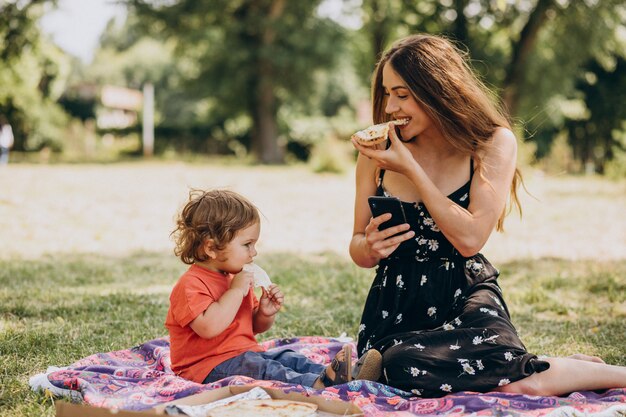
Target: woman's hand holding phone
(382, 241)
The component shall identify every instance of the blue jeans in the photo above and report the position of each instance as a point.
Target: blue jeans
(284, 366)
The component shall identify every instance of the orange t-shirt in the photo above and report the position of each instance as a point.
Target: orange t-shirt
(194, 357)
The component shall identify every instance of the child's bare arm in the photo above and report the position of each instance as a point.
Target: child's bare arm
(221, 313)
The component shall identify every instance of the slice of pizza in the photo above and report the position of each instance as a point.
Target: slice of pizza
(264, 408)
(376, 133)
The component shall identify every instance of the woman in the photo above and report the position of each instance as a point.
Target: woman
(435, 309)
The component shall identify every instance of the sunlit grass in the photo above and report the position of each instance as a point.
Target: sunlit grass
(55, 311)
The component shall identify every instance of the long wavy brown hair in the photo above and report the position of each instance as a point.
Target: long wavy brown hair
(214, 214)
(462, 107)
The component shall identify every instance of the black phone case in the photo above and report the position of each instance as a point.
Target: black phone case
(381, 205)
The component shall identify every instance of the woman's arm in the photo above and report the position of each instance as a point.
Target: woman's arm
(467, 229)
(369, 245)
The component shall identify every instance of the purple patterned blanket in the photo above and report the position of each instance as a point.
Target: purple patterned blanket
(141, 377)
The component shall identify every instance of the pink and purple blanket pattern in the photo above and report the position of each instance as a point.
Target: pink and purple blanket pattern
(141, 377)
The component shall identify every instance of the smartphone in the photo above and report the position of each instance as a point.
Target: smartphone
(381, 205)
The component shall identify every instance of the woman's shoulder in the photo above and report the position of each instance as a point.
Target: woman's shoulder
(503, 136)
(503, 144)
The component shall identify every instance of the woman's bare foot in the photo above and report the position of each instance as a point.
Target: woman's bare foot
(583, 357)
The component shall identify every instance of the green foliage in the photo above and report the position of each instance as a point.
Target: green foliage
(241, 77)
(544, 66)
(250, 58)
(32, 77)
(596, 138)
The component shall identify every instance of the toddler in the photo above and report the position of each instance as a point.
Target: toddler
(214, 313)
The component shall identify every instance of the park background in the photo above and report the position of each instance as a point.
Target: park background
(261, 97)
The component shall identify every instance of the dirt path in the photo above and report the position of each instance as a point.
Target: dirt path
(122, 208)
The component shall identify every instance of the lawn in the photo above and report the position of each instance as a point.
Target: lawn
(86, 262)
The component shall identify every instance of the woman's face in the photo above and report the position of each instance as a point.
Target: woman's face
(400, 104)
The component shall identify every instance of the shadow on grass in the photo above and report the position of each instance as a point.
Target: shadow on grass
(57, 310)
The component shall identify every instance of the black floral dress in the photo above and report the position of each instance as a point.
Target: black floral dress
(439, 318)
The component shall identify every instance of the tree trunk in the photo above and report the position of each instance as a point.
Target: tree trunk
(521, 50)
(379, 29)
(265, 131)
(460, 24)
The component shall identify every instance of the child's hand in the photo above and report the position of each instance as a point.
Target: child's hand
(243, 281)
(271, 300)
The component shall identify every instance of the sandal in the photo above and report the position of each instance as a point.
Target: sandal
(369, 366)
(343, 369)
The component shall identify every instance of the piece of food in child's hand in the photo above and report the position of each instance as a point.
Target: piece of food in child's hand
(261, 279)
(376, 133)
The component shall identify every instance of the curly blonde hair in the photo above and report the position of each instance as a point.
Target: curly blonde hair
(217, 215)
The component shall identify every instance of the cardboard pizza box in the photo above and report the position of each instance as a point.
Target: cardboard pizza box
(330, 406)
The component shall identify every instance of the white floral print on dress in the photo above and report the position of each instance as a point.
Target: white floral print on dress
(432, 311)
(398, 318)
(419, 346)
(455, 347)
(496, 300)
(467, 368)
(508, 356)
(433, 244)
(489, 311)
(385, 313)
(475, 267)
(416, 372)
(423, 280)
(503, 382)
(399, 282)
(446, 387)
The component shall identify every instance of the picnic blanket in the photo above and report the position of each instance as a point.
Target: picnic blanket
(141, 377)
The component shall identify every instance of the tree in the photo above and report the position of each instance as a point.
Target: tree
(31, 76)
(593, 139)
(531, 51)
(249, 56)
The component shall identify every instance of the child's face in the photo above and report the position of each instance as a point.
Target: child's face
(239, 251)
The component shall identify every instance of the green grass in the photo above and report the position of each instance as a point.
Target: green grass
(57, 310)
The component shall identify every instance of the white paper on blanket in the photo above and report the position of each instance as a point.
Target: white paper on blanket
(261, 279)
(202, 410)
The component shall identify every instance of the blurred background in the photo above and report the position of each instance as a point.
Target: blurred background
(277, 81)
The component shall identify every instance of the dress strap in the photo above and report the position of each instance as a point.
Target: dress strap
(471, 169)
(381, 173)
